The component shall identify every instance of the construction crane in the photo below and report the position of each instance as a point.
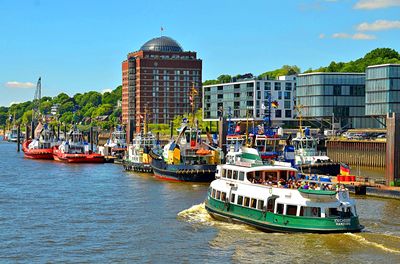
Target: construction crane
(36, 100)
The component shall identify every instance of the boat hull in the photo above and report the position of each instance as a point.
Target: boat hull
(138, 167)
(327, 168)
(269, 222)
(183, 173)
(46, 154)
(78, 158)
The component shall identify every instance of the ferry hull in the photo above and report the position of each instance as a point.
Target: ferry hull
(183, 173)
(278, 223)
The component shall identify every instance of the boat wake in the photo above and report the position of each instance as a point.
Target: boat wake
(197, 214)
(363, 240)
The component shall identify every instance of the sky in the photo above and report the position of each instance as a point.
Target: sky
(77, 46)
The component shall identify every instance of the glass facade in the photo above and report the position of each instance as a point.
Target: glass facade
(340, 94)
(382, 91)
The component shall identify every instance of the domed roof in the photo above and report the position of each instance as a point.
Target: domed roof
(162, 44)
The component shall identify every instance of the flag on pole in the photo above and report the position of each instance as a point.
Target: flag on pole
(344, 169)
(274, 104)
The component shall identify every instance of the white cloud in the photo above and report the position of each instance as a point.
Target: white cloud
(376, 4)
(379, 25)
(356, 36)
(321, 36)
(14, 103)
(14, 84)
(106, 90)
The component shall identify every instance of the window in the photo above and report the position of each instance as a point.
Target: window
(236, 86)
(253, 203)
(270, 205)
(232, 198)
(229, 174)
(288, 113)
(332, 212)
(235, 176)
(279, 208)
(288, 86)
(279, 95)
(267, 86)
(287, 104)
(250, 84)
(218, 195)
(291, 209)
(241, 176)
(278, 113)
(220, 96)
(287, 95)
(277, 86)
(246, 201)
(337, 90)
(223, 196)
(223, 175)
(220, 88)
(260, 205)
(213, 193)
(310, 211)
(240, 200)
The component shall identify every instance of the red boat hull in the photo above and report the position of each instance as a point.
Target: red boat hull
(36, 153)
(77, 158)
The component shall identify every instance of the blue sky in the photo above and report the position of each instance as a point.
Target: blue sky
(78, 46)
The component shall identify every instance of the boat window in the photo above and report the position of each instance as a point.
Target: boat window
(258, 176)
(223, 196)
(213, 193)
(260, 204)
(270, 204)
(310, 211)
(291, 209)
(235, 175)
(232, 198)
(240, 200)
(241, 176)
(279, 208)
(283, 175)
(229, 174)
(218, 195)
(246, 201)
(272, 176)
(253, 203)
(250, 176)
(223, 175)
(332, 212)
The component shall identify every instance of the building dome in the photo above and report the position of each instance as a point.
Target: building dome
(162, 44)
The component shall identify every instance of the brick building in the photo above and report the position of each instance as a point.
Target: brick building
(159, 76)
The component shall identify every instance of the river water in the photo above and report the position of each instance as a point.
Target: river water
(54, 212)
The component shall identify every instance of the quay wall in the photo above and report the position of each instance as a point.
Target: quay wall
(357, 152)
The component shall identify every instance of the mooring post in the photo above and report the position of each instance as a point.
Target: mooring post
(26, 132)
(392, 173)
(91, 138)
(18, 138)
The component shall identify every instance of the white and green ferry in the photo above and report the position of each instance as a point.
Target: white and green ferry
(248, 191)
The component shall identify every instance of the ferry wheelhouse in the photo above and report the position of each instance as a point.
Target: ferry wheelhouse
(272, 198)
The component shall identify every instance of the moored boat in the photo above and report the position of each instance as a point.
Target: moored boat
(40, 147)
(271, 198)
(138, 156)
(115, 148)
(76, 150)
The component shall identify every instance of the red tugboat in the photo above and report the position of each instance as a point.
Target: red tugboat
(76, 150)
(42, 146)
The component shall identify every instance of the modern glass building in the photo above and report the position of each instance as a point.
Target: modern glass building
(341, 95)
(250, 99)
(382, 89)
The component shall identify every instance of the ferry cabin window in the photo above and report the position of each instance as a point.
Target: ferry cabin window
(240, 200)
(272, 176)
(235, 175)
(213, 193)
(253, 203)
(260, 205)
(291, 209)
(223, 173)
(241, 176)
(223, 196)
(310, 211)
(232, 198)
(246, 201)
(270, 205)
(229, 174)
(279, 208)
(218, 195)
(332, 212)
